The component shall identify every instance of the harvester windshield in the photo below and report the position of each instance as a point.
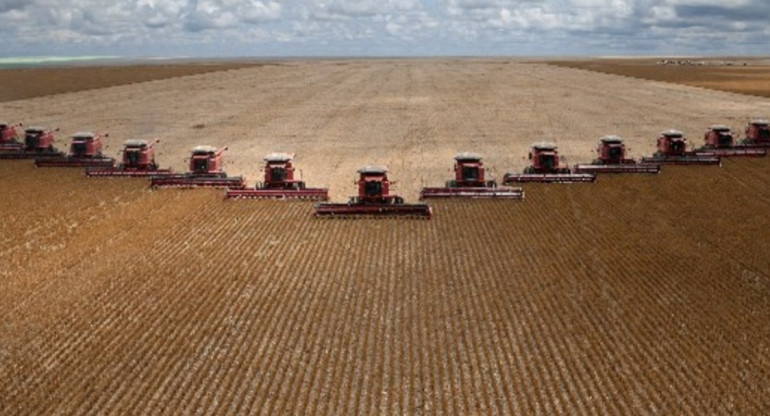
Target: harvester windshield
(470, 173)
(278, 174)
(616, 152)
(764, 133)
(79, 148)
(677, 145)
(32, 139)
(725, 139)
(373, 188)
(547, 161)
(133, 157)
(201, 165)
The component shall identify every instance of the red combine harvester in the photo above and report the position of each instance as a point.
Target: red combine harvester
(612, 159)
(280, 183)
(672, 149)
(469, 182)
(720, 143)
(85, 151)
(138, 160)
(38, 143)
(9, 138)
(546, 168)
(757, 134)
(205, 172)
(374, 200)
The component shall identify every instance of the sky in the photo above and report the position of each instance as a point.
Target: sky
(208, 28)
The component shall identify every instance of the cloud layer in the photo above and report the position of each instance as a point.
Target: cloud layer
(384, 27)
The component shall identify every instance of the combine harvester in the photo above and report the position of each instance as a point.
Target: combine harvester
(720, 143)
(85, 151)
(373, 201)
(9, 138)
(757, 134)
(612, 159)
(205, 172)
(279, 183)
(546, 168)
(470, 182)
(38, 144)
(138, 160)
(672, 150)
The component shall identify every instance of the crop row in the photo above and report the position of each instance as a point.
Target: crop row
(634, 295)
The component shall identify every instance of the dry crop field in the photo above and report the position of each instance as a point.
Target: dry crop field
(633, 295)
(18, 84)
(742, 75)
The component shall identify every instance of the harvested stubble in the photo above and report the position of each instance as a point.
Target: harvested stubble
(636, 295)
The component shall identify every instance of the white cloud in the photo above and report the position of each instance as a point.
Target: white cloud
(390, 26)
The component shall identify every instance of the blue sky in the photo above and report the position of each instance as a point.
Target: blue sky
(384, 27)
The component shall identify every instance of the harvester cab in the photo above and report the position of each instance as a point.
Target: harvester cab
(206, 160)
(546, 167)
(373, 200)
(139, 154)
(545, 159)
(470, 182)
(206, 171)
(758, 133)
(279, 172)
(719, 137)
(469, 171)
(612, 150)
(38, 139)
(374, 186)
(8, 133)
(9, 138)
(672, 143)
(86, 144)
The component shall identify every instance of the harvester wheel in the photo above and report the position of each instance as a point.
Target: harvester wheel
(398, 200)
(451, 184)
(491, 184)
(301, 185)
